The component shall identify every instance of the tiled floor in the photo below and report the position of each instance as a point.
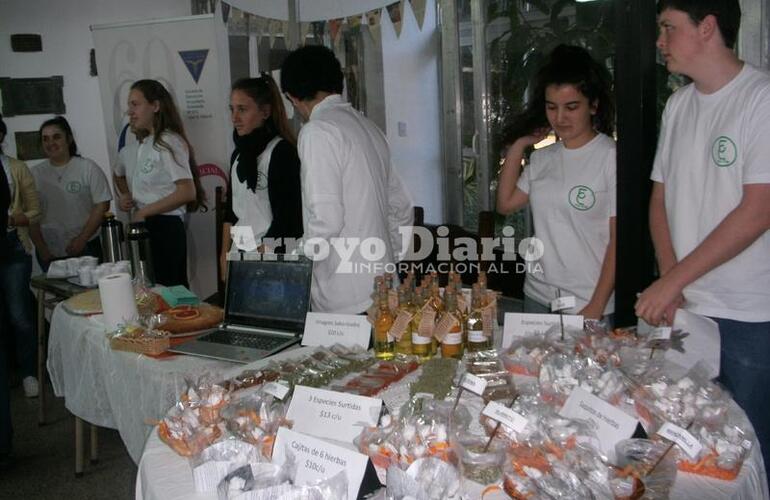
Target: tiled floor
(44, 458)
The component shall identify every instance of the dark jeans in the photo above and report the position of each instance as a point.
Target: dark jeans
(168, 243)
(15, 270)
(744, 369)
(92, 248)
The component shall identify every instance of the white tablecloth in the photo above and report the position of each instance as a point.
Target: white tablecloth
(119, 390)
(164, 475)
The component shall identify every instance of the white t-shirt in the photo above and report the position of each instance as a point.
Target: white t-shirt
(152, 170)
(572, 196)
(349, 190)
(709, 147)
(67, 195)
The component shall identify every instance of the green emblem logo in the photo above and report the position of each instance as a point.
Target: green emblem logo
(147, 166)
(74, 187)
(724, 152)
(582, 197)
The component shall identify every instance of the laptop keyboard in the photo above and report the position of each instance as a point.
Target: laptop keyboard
(238, 339)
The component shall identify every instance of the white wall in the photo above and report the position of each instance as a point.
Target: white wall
(64, 26)
(410, 66)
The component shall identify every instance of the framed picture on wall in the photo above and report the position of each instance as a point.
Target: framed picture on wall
(32, 96)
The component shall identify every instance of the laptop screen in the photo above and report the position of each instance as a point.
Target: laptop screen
(268, 293)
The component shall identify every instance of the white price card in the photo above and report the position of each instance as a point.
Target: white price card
(474, 384)
(509, 418)
(660, 333)
(527, 325)
(682, 437)
(562, 303)
(317, 459)
(332, 415)
(322, 329)
(275, 389)
(611, 424)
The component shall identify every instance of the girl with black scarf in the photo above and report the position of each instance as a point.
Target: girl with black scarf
(264, 192)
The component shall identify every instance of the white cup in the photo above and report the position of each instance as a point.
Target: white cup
(86, 276)
(73, 265)
(88, 261)
(123, 266)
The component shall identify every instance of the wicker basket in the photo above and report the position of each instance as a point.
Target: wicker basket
(141, 344)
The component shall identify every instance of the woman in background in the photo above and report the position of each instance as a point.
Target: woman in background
(264, 192)
(158, 182)
(570, 185)
(74, 195)
(15, 271)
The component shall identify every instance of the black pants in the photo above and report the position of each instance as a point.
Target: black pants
(168, 243)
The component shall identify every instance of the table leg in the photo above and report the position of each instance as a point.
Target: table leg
(94, 444)
(41, 355)
(78, 447)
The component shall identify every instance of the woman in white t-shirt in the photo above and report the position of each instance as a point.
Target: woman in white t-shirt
(569, 185)
(157, 180)
(74, 195)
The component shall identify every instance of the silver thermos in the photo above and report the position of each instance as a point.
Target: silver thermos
(112, 239)
(140, 253)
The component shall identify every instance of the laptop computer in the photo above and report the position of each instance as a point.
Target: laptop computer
(266, 302)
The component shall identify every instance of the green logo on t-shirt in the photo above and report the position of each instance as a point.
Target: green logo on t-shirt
(582, 197)
(147, 166)
(724, 151)
(74, 187)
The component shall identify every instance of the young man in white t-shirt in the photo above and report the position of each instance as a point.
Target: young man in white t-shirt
(710, 205)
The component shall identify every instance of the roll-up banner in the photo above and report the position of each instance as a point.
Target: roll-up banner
(189, 55)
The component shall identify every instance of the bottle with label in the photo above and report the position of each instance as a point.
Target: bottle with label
(437, 303)
(422, 346)
(474, 324)
(452, 343)
(384, 345)
(405, 309)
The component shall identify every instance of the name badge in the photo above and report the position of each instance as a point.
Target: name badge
(611, 424)
(317, 460)
(323, 329)
(332, 415)
(527, 325)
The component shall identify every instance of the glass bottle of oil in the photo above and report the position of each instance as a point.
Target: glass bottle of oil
(474, 324)
(482, 282)
(404, 344)
(384, 345)
(421, 346)
(452, 344)
(437, 303)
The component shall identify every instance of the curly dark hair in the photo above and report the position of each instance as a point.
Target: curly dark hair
(567, 64)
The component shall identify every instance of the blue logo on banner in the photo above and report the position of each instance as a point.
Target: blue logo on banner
(194, 60)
